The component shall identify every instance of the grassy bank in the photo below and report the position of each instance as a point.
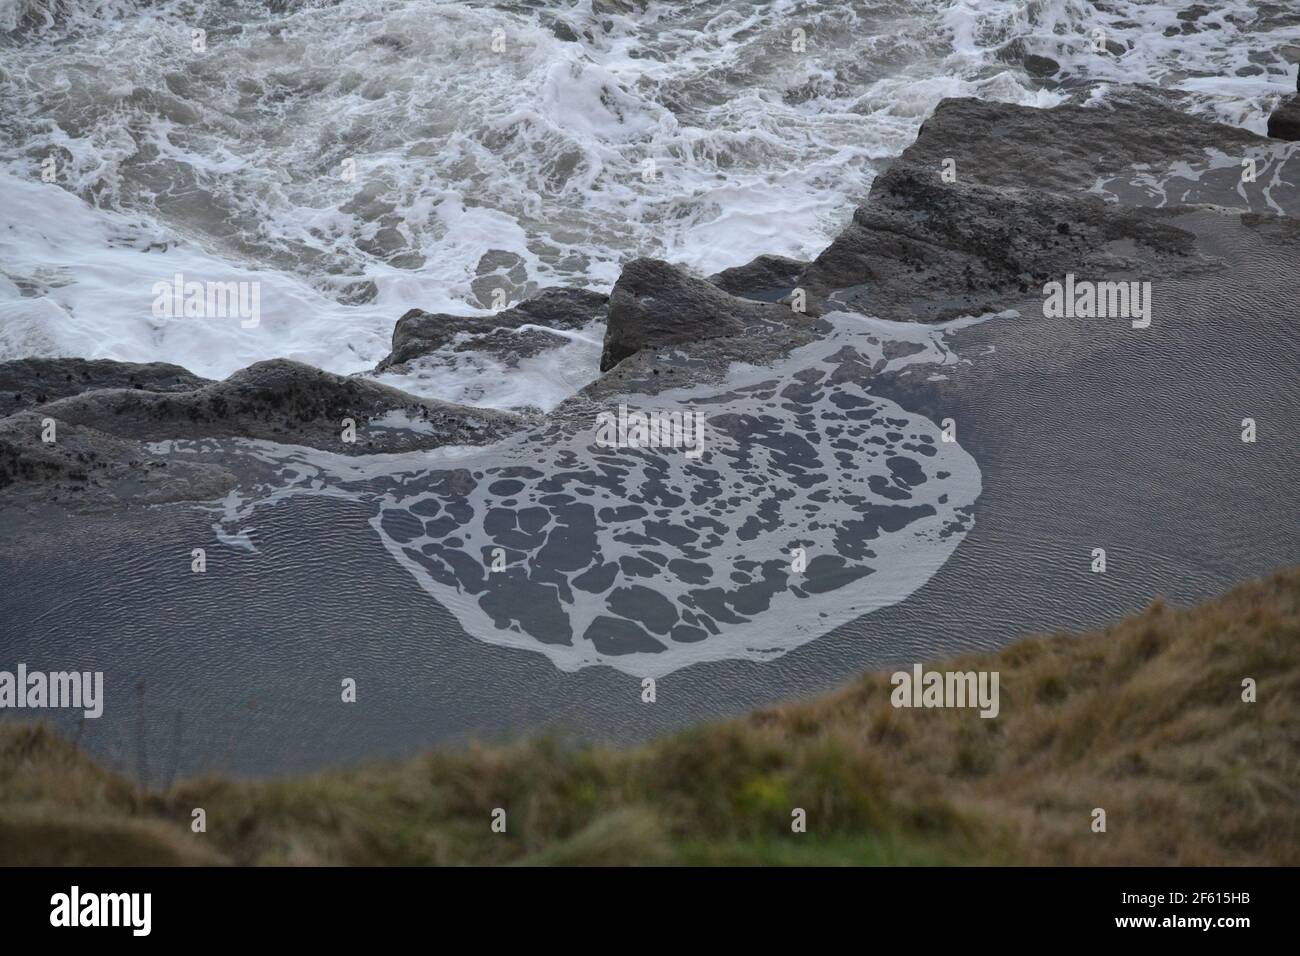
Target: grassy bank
(1144, 719)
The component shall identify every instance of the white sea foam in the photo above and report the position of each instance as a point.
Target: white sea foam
(80, 283)
(487, 380)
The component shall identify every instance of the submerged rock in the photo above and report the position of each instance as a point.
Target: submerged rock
(1015, 54)
(86, 467)
(1040, 66)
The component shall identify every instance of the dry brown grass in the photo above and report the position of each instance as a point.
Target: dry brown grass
(1144, 719)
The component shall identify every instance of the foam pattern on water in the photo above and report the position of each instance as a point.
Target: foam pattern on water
(647, 560)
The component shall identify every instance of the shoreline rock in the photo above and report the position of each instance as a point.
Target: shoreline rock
(764, 278)
(91, 469)
(924, 250)
(28, 382)
(100, 433)
(419, 333)
(927, 247)
(656, 305)
(285, 401)
(1284, 123)
(1067, 148)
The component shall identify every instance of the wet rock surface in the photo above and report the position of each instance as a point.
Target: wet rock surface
(1068, 148)
(84, 467)
(926, 250)
(1285, 121)
(656, 305)
(35, 381)
(288, 402)
(505, 333)
(765, 278)
(91, 446)
(961, 223)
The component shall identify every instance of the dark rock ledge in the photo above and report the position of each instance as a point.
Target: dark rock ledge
(974, 246)
(288, 402)
(766, 278)
(35, 381)
(100, 452)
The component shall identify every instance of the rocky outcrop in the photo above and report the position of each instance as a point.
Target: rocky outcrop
(926, 250)
(420, 333)
(92, 446)
(655, 304)
(1029, 196)
(1014, 53)
(1285, 121)
(35, 381)
(1068, 148)
(1040, 66)
(962, 223)
(765, 278)
(288, 402)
